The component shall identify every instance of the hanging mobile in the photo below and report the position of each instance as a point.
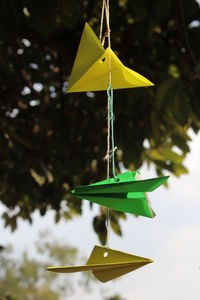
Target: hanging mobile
(92, 72)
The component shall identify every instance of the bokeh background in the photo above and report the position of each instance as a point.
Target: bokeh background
(50, 142)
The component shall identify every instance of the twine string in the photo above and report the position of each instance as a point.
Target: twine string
(110, 115)
(102, 18)
(112, 118)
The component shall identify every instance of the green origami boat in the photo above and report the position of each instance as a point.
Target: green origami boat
(126, 194)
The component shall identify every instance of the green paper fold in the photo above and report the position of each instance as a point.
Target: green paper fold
(125, 195)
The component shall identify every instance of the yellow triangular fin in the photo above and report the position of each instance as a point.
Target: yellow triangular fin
(116, 263)
(113, 256)
(89, 50)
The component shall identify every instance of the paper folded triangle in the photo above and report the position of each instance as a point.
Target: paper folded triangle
(125, 195)
(91, 68)
(106, 267)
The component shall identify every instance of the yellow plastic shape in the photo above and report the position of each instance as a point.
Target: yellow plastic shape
(106, 264)
(91, 68)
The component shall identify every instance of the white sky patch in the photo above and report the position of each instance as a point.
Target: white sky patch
(26, 12)
(33, 66)
(146, 144)
(38, 87)
(175, 273)
(194, 24)
(26, 42)
(34, 103)
(26, 91)
(20, 51)
(177, 150)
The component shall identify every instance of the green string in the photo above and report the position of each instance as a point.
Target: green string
(112, 117)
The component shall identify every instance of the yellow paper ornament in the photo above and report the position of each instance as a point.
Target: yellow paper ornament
(106, 264)
(91, 68)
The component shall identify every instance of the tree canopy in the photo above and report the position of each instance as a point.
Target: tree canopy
(51, 141)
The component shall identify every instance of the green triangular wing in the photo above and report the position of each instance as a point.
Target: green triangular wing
(121, 186)
(134, 203)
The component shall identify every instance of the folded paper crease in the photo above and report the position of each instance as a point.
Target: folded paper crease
(115, 264)
(125, 195)
(90, 71)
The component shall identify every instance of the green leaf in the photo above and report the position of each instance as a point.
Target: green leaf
(116, 227)
(181, 143)
(164, 154)
(181, 108)
(179, 170)
(100, 228)
(166, 92)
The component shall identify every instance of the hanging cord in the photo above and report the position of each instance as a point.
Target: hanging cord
(108, 33)
(108, 108)
(101, 24)
(106, 9)
(110, 117)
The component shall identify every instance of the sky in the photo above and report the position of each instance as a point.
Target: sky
(171, 239)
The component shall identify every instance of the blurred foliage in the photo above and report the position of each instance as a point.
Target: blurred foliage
(116, 297)
(50, 141)
(26, 278)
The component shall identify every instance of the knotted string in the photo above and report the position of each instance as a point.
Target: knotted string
(110, 118)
